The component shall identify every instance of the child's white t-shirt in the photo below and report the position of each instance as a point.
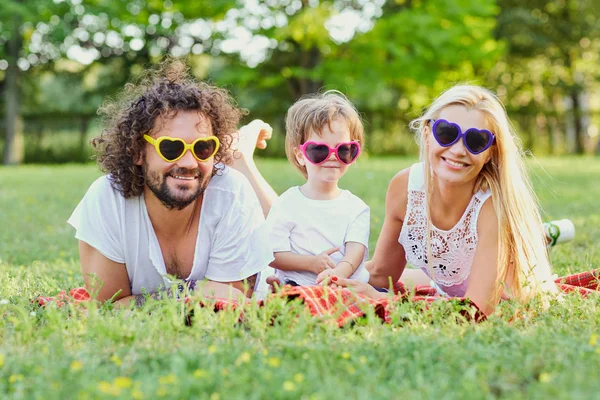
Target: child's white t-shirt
(232, 242)
(305, 226)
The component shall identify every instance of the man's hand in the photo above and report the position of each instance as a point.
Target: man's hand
(322, 261)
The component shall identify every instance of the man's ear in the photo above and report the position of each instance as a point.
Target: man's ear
(299, 157)
(139, 160)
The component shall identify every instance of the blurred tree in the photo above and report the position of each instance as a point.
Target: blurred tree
(18, 21)
(552, 60)
(125, 35)
(390, 57)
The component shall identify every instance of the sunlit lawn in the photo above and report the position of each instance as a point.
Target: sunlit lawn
(151, 353)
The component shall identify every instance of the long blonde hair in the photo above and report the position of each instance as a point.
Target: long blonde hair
(523, 264)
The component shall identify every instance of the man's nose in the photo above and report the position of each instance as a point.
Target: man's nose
(187, 160)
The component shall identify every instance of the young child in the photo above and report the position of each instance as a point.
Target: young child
(319, 230)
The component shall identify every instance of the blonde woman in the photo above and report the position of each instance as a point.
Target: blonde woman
(466, 215)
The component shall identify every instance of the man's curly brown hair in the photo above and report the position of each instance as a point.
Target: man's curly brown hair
(162, 92)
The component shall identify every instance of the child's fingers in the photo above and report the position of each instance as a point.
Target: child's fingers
(331, 251)
(261, 144)
(266, 132)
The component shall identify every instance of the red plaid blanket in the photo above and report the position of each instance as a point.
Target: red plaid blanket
(345, 306)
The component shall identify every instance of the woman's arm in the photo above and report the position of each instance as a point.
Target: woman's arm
(484, 289)
(389, 258)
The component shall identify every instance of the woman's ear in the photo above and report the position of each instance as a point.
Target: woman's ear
(299, 157)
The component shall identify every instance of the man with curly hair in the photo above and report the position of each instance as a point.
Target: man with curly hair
(169, 206)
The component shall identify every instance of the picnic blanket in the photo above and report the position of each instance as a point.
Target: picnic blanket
(344, 306)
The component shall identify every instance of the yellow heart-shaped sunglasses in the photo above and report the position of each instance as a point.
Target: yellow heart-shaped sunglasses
(172, 149)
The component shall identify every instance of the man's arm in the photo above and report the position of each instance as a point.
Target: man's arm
(244, 287)
(104, 278)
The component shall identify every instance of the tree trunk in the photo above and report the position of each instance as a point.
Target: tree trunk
(578, 126)
(14, 146)
(83, 137)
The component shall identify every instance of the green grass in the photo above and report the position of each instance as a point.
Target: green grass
(278, 351)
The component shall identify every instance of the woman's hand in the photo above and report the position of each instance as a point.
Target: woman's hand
(357, 287)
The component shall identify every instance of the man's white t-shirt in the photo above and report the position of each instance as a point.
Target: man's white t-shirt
(231, 244)
(305, 226)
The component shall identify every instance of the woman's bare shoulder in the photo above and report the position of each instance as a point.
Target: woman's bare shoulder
(488, 220)
(397, 194)
(399, 182)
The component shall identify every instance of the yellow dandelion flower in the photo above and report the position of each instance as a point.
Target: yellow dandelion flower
(123, 382)
(345, 355)
(243, 358)
(273, 362)
(593, 339)
(289, 386)
(265, 352)
(109, 388)
(116, 360)
(15, 377)
(545, 377)
(1, 360)
(299, 378)
(167, 379)
(200, 373)
(212, 349)
(76, 365)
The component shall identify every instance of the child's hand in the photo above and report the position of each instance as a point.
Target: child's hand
(326, 275)
(357, 287)
(322, 262)
(251, 136)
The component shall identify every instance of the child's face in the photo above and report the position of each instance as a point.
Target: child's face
(455, 164)
(332, 169)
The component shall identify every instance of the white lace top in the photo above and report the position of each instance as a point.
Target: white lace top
(452, 251)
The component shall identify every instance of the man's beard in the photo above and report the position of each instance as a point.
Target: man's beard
(158, 185)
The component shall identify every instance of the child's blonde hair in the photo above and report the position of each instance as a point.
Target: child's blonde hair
(313, 112)
(523, 263)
